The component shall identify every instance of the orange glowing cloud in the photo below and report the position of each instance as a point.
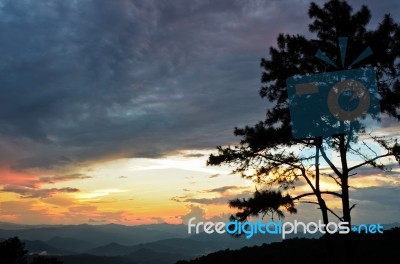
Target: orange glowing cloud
(19, 178)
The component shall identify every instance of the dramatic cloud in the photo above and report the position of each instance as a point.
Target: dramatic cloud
(29, 185)
(97, 80)
(101, 78)
(89, 79)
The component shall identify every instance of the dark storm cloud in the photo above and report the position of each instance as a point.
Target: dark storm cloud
(88, 79)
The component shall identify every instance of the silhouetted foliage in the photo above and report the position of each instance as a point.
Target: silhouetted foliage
(266, 146)
(383, 248)
(269, 155)
(263, 202)
(12, 251)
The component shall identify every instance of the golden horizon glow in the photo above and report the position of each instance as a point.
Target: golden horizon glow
(135, 191)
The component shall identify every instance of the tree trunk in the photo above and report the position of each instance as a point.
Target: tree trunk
(322, 204)
(347, 238)
(327, 237)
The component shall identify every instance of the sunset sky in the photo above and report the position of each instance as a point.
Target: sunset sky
(109, 109)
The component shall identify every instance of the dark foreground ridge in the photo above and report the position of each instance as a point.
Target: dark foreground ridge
(368, 248)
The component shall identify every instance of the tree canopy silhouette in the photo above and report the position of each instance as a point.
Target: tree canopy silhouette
(268, 153)
(12, 251)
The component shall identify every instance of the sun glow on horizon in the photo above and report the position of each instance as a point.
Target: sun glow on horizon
(135, 191)
(129, 191)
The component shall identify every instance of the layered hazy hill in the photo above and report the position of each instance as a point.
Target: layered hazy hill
(112, 243)
(119, 244)
(90, 236)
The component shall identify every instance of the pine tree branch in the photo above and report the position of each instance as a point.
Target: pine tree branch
(333, 167)
(369, 161)
(309, 194)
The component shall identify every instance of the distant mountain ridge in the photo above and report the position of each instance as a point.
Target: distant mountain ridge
(114, 244)
(96, 235)
(70, 244)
